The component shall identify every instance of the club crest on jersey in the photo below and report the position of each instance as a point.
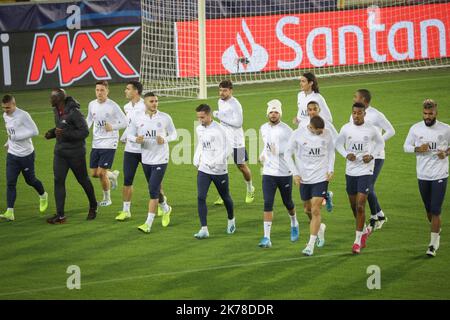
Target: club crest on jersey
(366, 138)
(159, 124)
(323, 143)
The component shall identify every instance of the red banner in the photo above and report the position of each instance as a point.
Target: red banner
(298, 41)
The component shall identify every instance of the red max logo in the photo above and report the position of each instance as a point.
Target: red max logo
(88, 52)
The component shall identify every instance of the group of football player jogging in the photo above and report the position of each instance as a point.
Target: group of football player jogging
(303, 157)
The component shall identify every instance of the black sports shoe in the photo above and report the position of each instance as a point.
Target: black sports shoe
(92, 214)
(431, 252)
(372, 223)
(380, 222)
(56, 219)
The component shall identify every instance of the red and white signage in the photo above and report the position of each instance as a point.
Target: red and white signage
(86, 52)
(298, 41)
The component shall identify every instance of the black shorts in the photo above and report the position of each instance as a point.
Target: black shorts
(270, 184)
(102, 158)
(130, 163)
(154, 175)
(240, 155)
(309, 191)
(359, 184)
(433, 194)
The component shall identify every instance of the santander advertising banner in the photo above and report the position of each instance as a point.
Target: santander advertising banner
(298, 41)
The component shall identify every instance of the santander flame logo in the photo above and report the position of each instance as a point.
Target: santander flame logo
(253, 59)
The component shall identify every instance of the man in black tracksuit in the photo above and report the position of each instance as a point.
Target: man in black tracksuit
(70, 152)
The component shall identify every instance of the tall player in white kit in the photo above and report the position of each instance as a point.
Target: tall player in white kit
(153, 130)
(276, 173)
(359, 142)
(313, 151)
(231, 118)
(133, 153)
(210, 158)
(20, 128)
(430, 141)
(377, 119)
(107, 118)
(310, 92)
(313, 109)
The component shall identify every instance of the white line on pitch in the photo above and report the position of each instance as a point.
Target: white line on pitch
(212, 268)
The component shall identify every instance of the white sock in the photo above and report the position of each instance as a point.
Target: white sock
(205, 228)
(434, 239)
(374, 216)
(10, 210)
(126, 206)
(312, 241)
(249, 185)
(358, 237)
(366, 229)
(321, 233)
(294, 221)
(231, 222)
(164, 206)
(106, 195)
(150, 218)
(43, 196)
(380, 214)
(110, 175)
(267, 227)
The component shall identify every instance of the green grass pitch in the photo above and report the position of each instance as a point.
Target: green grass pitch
(119, 262)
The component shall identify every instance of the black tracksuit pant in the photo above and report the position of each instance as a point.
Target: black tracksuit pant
(77, 163)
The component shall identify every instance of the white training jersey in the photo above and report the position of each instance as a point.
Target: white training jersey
(159, 124)
(429, 166)
(129, 109)
(99, 114)
(231, 118)
(380, 122)
(360, 140)
(328, 125)
(275, 139)
(213, 149)
(20, 129)
(314, 155)
(302, 103)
